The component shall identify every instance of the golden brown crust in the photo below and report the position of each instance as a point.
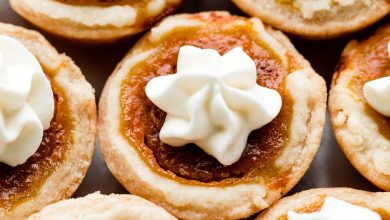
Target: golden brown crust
(197, 201)
(301, 201)
(356, 132)
(95, 24)
(326, 24)
(63, 182)
(104, 207)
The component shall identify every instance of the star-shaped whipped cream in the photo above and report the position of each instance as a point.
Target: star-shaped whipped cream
(213, 101)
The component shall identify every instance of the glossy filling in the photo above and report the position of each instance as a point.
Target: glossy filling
(141, 121)
(20, 183)
(316, 207)
(372, 58)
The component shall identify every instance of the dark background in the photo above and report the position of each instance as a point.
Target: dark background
(330, 167)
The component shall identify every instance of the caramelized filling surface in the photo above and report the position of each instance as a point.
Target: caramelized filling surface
(20, 183)
(141, 120)
(373, 61)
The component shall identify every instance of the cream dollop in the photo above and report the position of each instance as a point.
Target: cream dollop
(335, 209)
(309, 7)
(213, 101)
(26, 102)
(377, 93)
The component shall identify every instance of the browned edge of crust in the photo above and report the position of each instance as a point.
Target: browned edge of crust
(80, 95)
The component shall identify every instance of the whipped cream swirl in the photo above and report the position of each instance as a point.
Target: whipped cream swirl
(335, 209)
(377, 93)
(213, 101)
(26, 102)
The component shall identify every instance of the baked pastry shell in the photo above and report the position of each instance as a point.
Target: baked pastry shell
(65, 179)
(374, 201)
(197, 201)
(112, 206)
(355, 130)
(67, 28)
(327, 24)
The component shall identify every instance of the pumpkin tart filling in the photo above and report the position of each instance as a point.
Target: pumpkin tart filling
(372, 59)
(141, 120)
(21, 183)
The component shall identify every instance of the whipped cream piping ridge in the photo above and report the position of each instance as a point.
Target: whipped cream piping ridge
(26, 102)
(213, 101)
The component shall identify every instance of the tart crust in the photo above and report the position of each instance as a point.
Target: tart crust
(379, 202)
(355, 130)
(335, 22)
(106, 207)
(198, 200)
(100, 23)
(65, 179)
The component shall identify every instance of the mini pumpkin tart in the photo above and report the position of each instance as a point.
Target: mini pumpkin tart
(94, 20)
(331, 204)
(211, 105)
(103, 207)
(317, 19)
(360, 129)
(47, 123)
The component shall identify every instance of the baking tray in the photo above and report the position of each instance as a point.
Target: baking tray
(330, 167)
